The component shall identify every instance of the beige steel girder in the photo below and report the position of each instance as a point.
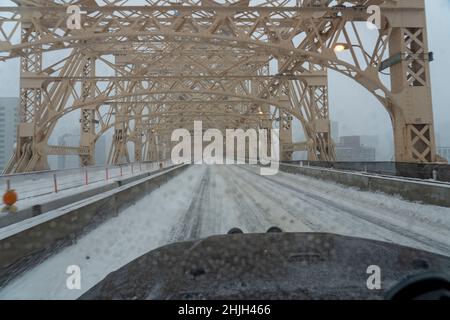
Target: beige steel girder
(204, 60)
(87, 120)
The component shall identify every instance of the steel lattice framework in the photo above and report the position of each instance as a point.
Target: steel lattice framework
(167, 63)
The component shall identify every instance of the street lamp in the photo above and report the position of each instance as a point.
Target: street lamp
(340, 47)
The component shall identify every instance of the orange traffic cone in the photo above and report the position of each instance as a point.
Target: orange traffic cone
(9, 200)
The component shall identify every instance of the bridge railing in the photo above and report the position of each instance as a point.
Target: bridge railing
(34, 185)
(424, 171)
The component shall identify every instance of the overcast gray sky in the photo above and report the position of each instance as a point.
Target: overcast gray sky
(357, 112)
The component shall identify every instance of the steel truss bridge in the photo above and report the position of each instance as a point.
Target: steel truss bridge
(146, 67)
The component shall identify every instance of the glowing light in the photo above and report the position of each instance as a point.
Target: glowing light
(340, 47)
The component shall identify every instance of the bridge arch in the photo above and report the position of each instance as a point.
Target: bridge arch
(414, 138)
(49, 122)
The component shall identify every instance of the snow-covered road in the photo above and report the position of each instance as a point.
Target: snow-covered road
(208, 200)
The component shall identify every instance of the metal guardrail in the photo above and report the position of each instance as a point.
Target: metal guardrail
(38, 184)
(424, 171)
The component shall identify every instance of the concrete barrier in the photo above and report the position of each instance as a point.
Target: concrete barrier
(419, 191)
(440, 172)
(29, 242)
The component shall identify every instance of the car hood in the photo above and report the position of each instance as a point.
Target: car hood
(267, 266)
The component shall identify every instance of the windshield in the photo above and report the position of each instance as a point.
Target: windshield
(127, 126)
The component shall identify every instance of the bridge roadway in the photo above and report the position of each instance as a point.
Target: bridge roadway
(208, 200)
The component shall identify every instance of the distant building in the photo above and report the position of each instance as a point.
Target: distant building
(370, 141)
(444, 152)
(438, 139)
(443, 133)
(9, 118)
(350, 149)
(73, 161)
(100, 151)
(350, 142)
(335, 131)
(361, 154)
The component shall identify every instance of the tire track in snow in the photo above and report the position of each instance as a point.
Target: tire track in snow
(268, 194)
(190, 227)
(412, 236)
(323, 219)
(249, 212)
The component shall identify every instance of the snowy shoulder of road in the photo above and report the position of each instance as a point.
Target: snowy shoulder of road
(137, 230)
